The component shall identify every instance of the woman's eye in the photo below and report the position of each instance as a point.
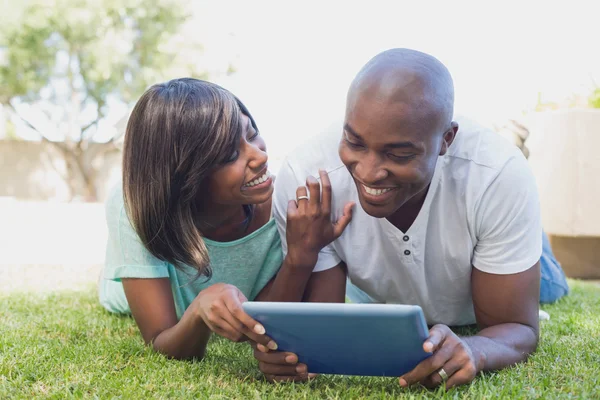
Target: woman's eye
(254, 136)
(233, 157)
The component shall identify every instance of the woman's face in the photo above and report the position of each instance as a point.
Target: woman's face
(245, 179)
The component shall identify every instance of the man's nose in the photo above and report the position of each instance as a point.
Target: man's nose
(369, 169)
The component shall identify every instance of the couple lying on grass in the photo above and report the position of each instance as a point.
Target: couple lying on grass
(398, 204)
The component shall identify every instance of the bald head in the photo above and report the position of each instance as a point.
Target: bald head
(418, 84)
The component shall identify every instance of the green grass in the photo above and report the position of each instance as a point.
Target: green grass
(66, 346)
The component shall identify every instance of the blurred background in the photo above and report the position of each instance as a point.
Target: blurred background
(71, 70)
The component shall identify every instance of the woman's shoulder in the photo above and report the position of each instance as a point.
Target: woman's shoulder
(114, 206)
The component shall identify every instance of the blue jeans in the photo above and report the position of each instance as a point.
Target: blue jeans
(553, 283)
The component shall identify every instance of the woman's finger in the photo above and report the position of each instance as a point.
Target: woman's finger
(343, 221)
(296, 378)
(302, 202)
(222, 327)
(245, 324)
(315, 194)
(325, 192)
(286, 370)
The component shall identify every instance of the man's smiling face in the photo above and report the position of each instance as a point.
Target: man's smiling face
(391, 156)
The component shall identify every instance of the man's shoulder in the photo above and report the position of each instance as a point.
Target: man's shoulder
(318, 152)
(478, 159)
(480, 147)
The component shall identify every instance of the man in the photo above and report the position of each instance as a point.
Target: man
(447, 217)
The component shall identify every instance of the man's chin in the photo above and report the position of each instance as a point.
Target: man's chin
(376, 210)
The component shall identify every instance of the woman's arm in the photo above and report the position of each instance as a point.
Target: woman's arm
(217, 308)
(327, 286)
(152, 307)
(308, 229)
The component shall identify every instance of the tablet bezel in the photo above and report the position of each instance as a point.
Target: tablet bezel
(347, 339)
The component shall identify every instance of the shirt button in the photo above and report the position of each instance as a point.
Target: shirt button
(407, 252)
(405, 238)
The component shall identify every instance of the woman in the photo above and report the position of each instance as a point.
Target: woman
(190, 231)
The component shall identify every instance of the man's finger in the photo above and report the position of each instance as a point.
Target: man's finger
(450, 368)
(427, 367)
(459, 378)
(437, 335)
(343, 221)
(325, 192)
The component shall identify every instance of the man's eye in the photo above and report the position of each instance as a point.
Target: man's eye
(354, 145)
(395, 157)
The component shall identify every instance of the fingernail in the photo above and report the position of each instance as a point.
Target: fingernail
(301, 369)
(258, 328)
(312, 375)
(403, 382)
(272, 345)
(427, 346)
(291, 359)
(262, 348)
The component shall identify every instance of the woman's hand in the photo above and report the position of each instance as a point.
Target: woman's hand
(280, 366)
(220, 307)
(309, 225)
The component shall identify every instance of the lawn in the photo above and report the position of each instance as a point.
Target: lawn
(64, 345)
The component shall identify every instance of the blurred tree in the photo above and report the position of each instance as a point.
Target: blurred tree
(64, 62)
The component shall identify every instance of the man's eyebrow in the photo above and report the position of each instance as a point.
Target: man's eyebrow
(397, 145)
(352, 132)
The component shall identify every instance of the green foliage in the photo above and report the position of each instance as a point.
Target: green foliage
(88, 50)
(68, 60)
(594, 99)
(66, 346)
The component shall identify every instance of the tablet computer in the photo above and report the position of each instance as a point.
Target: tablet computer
(346, 339)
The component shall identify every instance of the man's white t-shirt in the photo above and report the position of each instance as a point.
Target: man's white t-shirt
(481, 210)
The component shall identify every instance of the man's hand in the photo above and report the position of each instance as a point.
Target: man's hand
(452, 354)
(309, 226)
(279, 366)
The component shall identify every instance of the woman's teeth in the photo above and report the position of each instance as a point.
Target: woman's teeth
(258, 181)
(376, 192)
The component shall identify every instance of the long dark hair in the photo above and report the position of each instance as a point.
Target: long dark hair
(177, 133)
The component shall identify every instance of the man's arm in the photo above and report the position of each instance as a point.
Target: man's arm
(506, 309)
(505, 283)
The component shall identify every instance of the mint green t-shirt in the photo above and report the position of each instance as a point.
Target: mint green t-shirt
(248, 263)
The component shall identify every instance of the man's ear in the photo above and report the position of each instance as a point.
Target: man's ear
(448, 137)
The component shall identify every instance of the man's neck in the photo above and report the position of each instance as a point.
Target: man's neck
(406, 215)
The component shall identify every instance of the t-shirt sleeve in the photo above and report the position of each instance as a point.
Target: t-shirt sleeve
(126, 256)
(286, 183)
(508, 222)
